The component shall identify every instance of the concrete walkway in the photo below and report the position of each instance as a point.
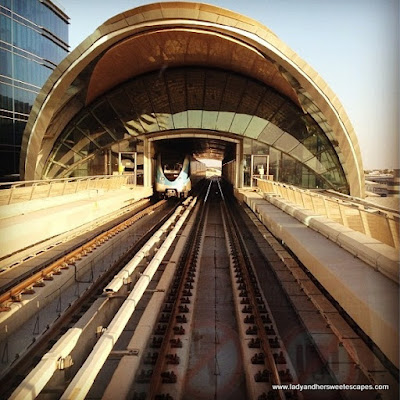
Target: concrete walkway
(368, 296)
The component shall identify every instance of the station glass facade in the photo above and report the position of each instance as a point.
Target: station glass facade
(33, 40)
(200, 99)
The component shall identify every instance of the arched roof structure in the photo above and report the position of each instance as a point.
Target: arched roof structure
(175, 67)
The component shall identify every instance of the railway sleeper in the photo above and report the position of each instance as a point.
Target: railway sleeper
(164, 318)
(150, 358)
(258, 358)
(168, 307)
(163, 396)
(183, 309)
(247, 309)
(279, 358)
(262, 309)
(252, 330)
(269, 330)
(274, 343)
(170, 299)
(28, 290)
(180, 319)
(273, 395)
(266, 319)
(156, 342)
(161, 329)
(144, 376)
(185, 300)
(249, 319)
(254, 343)
(168, 377)
(285, 376)
(176, 343)
(262, 376)
(172, 358)
(179, 330)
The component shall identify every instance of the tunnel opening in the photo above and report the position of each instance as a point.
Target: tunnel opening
(178, 164)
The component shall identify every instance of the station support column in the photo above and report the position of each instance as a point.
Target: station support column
(239, 164)
(147, 163)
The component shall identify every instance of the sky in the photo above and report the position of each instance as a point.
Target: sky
(352, 44)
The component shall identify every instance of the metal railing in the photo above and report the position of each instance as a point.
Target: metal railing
(16, 192)
(368, 219)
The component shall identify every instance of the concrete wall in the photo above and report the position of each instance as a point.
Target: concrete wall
(37, 224)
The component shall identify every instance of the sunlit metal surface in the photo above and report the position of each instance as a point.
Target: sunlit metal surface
(160, 36)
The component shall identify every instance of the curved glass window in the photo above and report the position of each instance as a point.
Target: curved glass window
(215, 100)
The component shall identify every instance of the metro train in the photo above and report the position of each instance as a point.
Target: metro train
(174, 178)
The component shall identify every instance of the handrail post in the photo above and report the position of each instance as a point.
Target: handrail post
(33, 189)
(11, 193)
(394, 231)
(48, 192)
(342, 212)
(65, 184)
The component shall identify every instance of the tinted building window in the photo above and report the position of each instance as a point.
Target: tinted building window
(40, 14)
(5, 3)
(33, 40)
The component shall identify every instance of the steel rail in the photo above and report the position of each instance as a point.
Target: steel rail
(83, 380)
(14, 293)
(186, 261)
(124, 274)
(20, 366)
(245, 264)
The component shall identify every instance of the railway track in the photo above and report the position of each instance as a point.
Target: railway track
(211, 307)
(31, 257)
(232, 329)
(16, 287)
(72, 269)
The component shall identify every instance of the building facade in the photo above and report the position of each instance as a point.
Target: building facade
(171, 72)
(33, 40)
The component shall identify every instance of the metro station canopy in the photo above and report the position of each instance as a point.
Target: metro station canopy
(180, 68)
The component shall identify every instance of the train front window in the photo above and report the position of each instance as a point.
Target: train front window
(171, 168)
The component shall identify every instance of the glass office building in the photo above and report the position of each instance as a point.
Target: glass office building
(33, 40)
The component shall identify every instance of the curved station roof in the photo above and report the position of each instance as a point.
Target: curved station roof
(176, 69)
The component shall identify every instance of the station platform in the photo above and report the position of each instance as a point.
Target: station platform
(369, 297)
